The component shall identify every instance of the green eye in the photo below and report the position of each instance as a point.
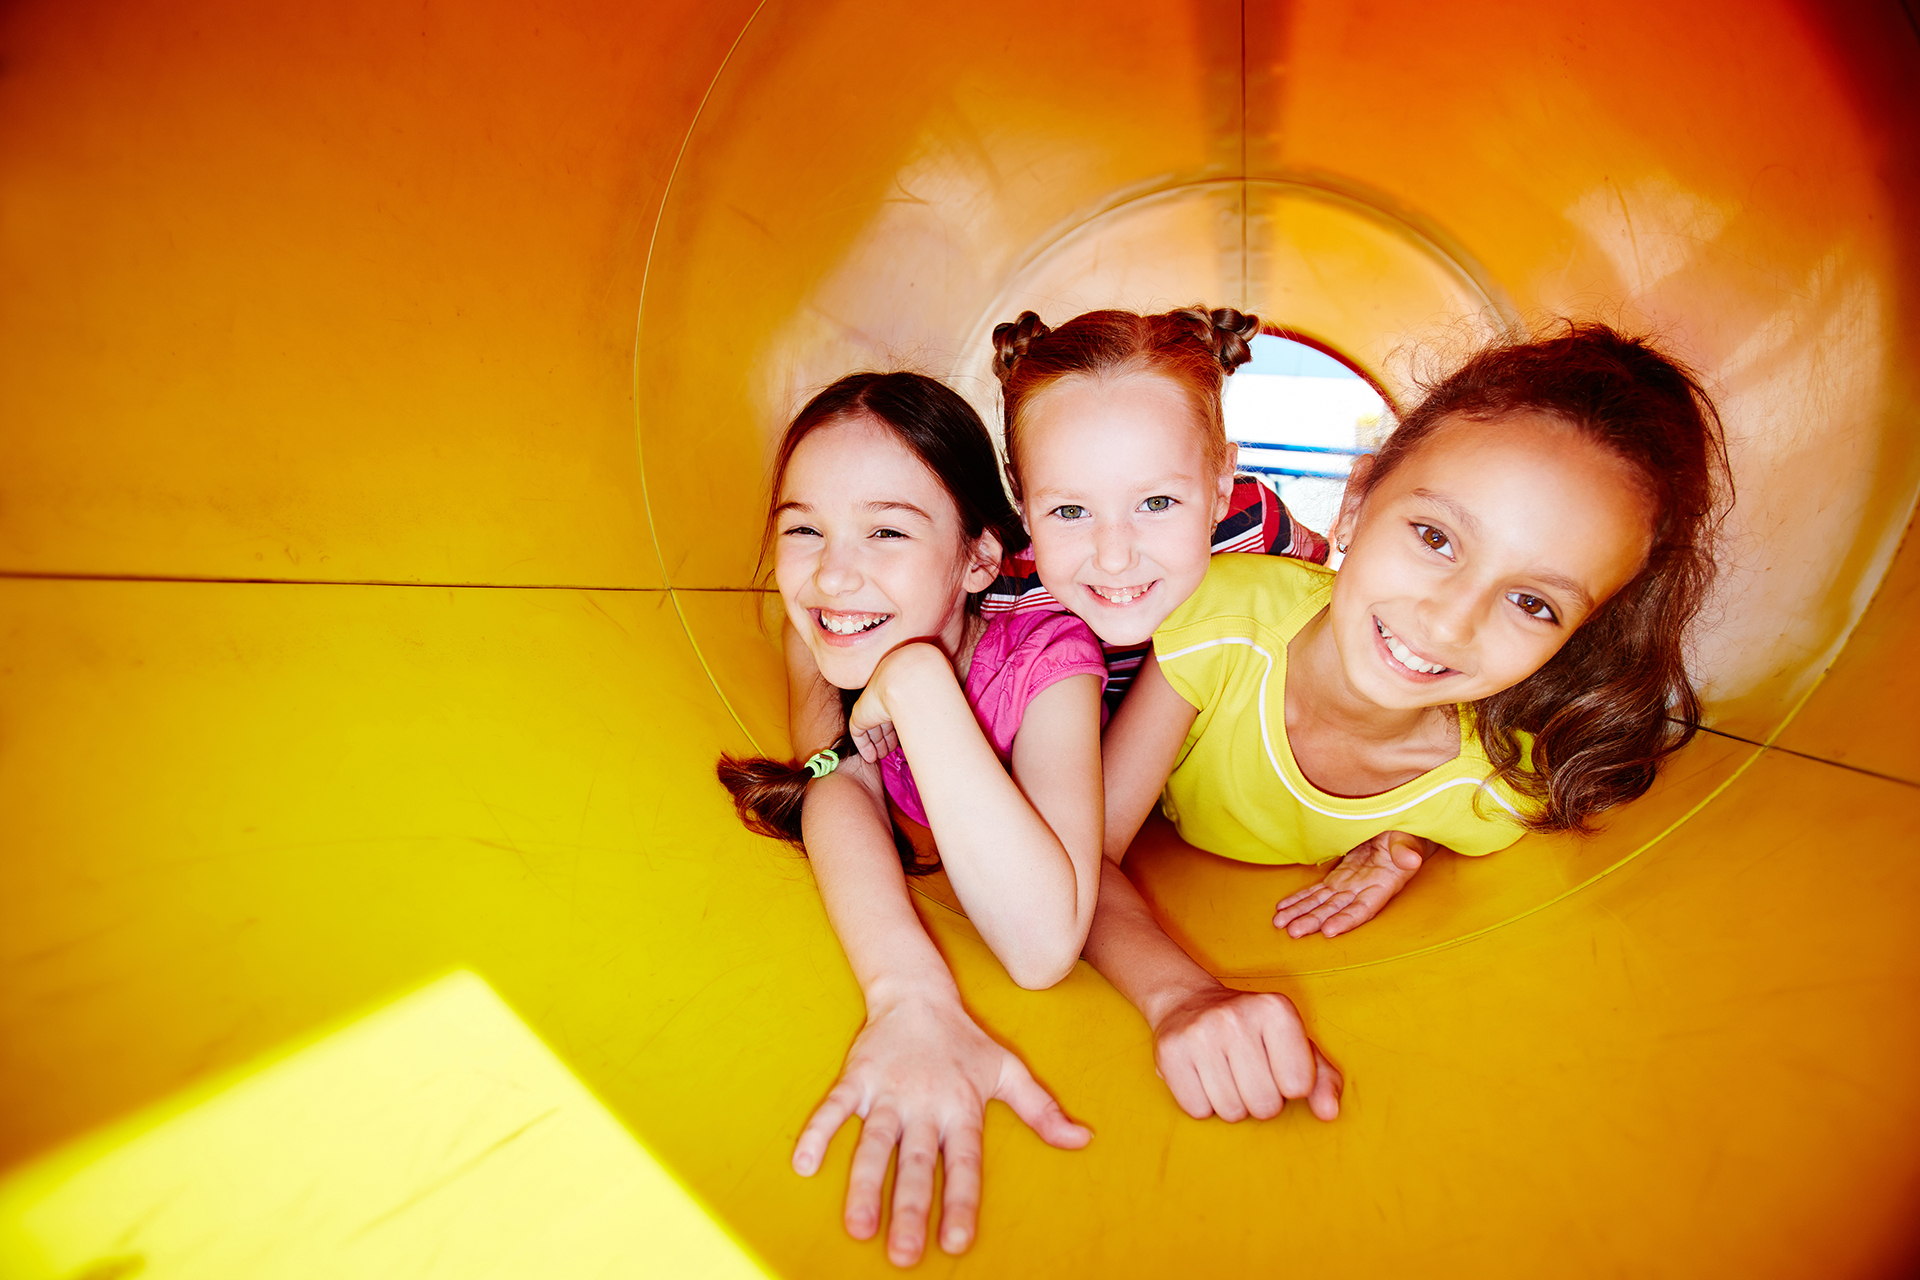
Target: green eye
(1070, 512)
(1160, 503)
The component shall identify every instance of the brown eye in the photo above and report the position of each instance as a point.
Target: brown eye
(1533, 606)
(1435, 539)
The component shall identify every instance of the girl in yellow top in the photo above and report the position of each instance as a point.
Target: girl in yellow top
(1501, 650)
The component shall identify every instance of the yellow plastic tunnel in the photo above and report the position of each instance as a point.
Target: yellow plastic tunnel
(384, 419)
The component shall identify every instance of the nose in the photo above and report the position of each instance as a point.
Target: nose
(1450, 617)
(1112, 546)
(838, 571)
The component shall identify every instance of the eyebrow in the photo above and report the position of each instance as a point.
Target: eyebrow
(900, 506)
(1452, 508)
(1567, 585)
(805, 509)
(1545, 577)
(1172, 480)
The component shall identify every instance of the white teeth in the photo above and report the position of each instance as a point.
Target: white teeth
(1403, 655)
(848, 624)
(1119, 595)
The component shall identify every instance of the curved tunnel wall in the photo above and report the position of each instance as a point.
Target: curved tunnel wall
(346, 642)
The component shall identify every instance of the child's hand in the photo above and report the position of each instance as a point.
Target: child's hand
(870, 723)
(919, 1076)
(1358, 886)
(1235, 1054)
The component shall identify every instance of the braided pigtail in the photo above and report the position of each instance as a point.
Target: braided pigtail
(1233, 333)
(1011, 341)
(1224, 332)
(770, 795)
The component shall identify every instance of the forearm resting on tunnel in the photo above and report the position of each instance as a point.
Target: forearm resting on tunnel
(1130, 949)
(1222, 1052)
(1020, 850)
(850, 845)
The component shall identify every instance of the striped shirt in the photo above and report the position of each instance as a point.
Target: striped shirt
(1257, 522)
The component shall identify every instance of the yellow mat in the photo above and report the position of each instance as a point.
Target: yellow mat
(349, 640)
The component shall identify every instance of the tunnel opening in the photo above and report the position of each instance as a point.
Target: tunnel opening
(1300, 412)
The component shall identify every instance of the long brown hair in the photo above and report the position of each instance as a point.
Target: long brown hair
(944, 432)
(1616, 700)
(1193, 346)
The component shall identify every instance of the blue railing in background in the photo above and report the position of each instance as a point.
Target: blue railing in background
(1297, 448)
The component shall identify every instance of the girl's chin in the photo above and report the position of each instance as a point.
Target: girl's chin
(1121, 637)
(845, 670)
(1117, 627)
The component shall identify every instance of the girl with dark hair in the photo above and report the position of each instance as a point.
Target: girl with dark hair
(1502, 650)
(888, 521)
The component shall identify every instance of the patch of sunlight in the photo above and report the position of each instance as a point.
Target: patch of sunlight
(436, 1137)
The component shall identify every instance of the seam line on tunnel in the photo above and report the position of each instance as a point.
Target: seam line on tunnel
(1789, 751)
(1246, 283)
(639, 329)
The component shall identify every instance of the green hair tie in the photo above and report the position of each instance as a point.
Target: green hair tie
(822, 763)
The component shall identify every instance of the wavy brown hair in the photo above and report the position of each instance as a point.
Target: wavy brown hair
(1616, 700)
(944, 432)
(1193, 346)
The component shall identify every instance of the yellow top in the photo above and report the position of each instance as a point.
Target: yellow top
(1236, 790)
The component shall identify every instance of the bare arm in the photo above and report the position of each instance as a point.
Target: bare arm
(1021, 851)
(921, 1072)
(1222, 1052)
(1141, 745)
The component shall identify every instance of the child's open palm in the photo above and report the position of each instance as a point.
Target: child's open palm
(920, 1076)
(1353, 892)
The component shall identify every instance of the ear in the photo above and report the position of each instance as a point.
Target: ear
(1223, 494)
(983, 562)
(1350, 502)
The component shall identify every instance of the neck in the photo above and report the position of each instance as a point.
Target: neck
(1318, 692)
(959, 638)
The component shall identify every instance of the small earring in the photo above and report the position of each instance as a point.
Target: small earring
(1341, 547)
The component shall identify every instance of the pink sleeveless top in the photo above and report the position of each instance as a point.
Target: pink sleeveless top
(1019, 655)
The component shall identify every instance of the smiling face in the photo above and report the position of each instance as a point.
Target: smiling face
(1120, 499)
(1478, 556)
(869, 553)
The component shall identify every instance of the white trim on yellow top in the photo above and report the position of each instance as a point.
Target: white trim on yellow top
(1266, 740)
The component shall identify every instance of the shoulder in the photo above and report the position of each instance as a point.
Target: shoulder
(1511, 804)
(1028, 634)
(1258, 523)
(1020, 656)
(1265, 588)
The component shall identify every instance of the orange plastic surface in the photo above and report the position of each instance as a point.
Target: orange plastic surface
(385, 397)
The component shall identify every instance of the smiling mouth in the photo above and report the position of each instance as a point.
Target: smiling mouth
(1405, 656)
(1120, 595)
(848, 624)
